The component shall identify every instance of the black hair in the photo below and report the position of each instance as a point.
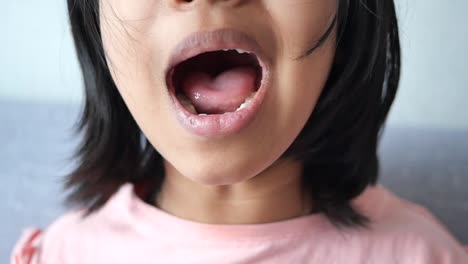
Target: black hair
(337, 146)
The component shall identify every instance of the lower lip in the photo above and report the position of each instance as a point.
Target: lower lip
(221, 125)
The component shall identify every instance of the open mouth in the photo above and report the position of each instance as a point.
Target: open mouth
(216, 82)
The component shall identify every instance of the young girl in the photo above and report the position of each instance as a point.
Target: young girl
(235, 131)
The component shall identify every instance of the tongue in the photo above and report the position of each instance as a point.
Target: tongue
(224, 93)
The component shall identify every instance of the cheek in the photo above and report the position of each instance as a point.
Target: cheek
(129, 54)
(300, 22)
(133, 11)
(300, 84)
(132, 56)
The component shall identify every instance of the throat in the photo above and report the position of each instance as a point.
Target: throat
(265, 198)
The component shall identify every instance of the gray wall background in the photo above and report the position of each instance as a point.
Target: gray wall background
(38, 63)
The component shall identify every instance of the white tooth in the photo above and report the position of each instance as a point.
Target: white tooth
(241, 51)
(246, 102)
(202, 114)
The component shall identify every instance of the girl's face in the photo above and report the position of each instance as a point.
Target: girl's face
(141, 38)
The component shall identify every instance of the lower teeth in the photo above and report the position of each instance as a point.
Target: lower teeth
(246, 102)
(187, 104)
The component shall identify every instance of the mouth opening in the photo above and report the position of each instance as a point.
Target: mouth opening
(217, 82)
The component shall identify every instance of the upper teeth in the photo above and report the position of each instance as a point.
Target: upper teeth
(240, 51)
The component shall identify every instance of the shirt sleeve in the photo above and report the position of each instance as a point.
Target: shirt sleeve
(27, 249)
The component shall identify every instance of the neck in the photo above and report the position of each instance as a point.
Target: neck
(271, 196)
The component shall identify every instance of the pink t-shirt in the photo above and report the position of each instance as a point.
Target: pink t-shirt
(127, 230)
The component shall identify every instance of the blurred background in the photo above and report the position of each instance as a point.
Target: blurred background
(424, 151)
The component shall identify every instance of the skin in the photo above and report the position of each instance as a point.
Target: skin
(237, 179)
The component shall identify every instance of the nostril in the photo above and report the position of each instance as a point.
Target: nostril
(183, 1)
(231, 2)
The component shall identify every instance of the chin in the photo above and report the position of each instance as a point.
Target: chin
(215, 172)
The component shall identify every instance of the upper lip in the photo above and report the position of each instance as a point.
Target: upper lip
(201, 42)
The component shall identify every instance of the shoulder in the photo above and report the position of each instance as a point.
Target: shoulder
(410, 232)
(36, 244)
(75, 236)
